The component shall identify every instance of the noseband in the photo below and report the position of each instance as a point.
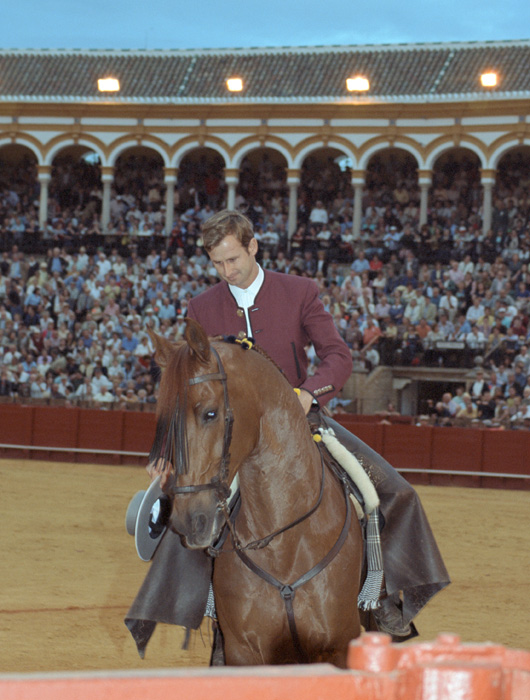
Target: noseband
(218, 483)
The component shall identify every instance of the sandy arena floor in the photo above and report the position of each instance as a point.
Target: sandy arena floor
(70, 571)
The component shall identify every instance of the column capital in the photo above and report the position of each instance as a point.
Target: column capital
(424, 177)
(170, 175)
(358, 177)
(231, 176)
(44, 172)
(293, 176)
(488, 176)
(107, 173)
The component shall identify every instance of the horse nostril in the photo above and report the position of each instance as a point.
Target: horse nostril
(199, 523)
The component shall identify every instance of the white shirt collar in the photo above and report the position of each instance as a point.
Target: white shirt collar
(245, 297)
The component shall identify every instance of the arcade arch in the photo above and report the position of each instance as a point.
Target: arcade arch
(391, 181)
(201, 179)
(18, 172)
(264, 183)
(456, 194)
(75, 179)
(511, 194)
(263, 171)
(137, 192)
(19, 188)
(513, 173)
(325, 176)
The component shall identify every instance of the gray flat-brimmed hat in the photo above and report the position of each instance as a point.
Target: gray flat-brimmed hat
(147, 517)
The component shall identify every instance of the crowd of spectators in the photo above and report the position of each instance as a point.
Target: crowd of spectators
(75, 304)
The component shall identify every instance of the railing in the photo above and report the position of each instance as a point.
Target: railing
(441, 670)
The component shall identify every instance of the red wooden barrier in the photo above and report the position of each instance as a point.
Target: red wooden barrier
(378, 670)
(510, 449)
(57, 427)
(459, 449)
(16, 428)
(138, 431)
(408, 447)
(125, 437)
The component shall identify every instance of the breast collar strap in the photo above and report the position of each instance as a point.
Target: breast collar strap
(219, 483)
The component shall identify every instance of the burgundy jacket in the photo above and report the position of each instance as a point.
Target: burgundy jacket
(287, 316)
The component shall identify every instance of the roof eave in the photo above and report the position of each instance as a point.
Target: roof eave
(241, 100)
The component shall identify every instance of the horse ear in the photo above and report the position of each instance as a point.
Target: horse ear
(163, 348)
(197, 339)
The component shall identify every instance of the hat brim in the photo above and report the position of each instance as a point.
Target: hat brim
(146, 519)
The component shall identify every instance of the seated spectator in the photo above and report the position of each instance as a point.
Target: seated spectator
(475, 339)
(104, 395)
(486, 406)
(318, 214)
(469, 410)
(475, 313)
(99, 380)
(360, 264)
(413, 312)
(131, 399)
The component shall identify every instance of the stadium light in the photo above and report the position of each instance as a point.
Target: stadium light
(108, 85)
(357, 84)
(489, 79)
(234, 84)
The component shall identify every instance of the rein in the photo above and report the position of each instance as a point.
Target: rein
(264, 541)
(287, 591)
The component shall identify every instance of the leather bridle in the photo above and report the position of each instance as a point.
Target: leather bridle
(218, 483)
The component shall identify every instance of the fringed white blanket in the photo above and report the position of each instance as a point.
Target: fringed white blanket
(371, 591)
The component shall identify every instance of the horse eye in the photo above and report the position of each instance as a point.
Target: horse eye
(209, 415)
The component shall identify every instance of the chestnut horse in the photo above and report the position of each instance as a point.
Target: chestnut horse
(287, 576)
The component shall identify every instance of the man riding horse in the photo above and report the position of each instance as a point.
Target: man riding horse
(283, 314)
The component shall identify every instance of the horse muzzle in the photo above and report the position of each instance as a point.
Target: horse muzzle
(199, 529)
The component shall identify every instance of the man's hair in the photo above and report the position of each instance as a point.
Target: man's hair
(226, 223)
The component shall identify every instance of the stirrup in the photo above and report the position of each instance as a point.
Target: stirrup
(389, 619)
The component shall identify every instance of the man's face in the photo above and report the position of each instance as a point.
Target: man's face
(235, 264)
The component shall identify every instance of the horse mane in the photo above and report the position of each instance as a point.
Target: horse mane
(233, 340)
(262, 352)
(170, 441)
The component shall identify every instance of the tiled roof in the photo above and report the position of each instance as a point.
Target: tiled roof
(415, 72)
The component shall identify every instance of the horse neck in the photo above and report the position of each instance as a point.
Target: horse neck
(281, 478)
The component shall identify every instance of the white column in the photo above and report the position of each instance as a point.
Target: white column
(487, 179)
(425, 182)
(231, 180)
(293, 182)
(358, 182)
(44, 176)
(170, 180)
(107, 178)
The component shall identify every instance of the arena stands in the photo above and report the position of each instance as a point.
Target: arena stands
(75, 304)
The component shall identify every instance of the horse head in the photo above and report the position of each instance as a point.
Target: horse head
(194, 432)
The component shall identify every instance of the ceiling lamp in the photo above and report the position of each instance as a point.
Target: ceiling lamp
(357, 84)
(108, 85)
(489, 79)
(234, 84)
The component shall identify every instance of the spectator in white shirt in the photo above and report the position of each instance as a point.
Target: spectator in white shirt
(99, 380)
(476, 311)
(318, 214)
